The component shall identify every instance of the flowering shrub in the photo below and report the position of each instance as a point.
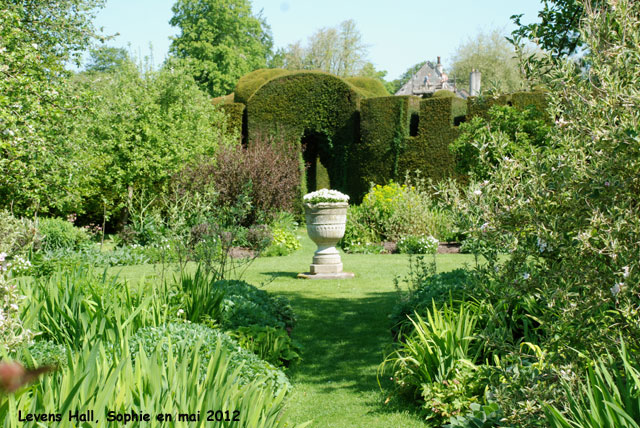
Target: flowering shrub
(394, 211)
(325, 195)
(12, 333)
(413, 244)
(17, 235)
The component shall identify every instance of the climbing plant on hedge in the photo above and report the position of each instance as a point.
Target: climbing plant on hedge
(309, 103)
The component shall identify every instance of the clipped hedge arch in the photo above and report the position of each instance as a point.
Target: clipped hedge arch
(317, 106)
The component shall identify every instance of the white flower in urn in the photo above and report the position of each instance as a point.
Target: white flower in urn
(325, 195)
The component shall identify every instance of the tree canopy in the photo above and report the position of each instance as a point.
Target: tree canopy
(494, 56)
(220, 41)
(338, 50)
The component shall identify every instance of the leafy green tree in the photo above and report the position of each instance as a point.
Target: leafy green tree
(220, 41)
(141, 127)
(496, 59)
(106, 58)
(37, 39)
(559, 28)
(337, 50)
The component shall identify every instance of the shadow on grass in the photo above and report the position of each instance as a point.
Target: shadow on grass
(275, 275)
(345, 340)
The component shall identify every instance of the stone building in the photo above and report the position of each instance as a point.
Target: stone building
(429, 79)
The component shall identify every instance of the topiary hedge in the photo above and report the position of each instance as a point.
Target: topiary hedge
(368, 86)
(384, 127)
(429, 150)
(235, 117)
(249, 83)
(317, 106)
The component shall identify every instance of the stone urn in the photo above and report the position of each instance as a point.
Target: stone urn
(326, 223)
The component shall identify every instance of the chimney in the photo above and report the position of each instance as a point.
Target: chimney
(439, 67)
(474, 83)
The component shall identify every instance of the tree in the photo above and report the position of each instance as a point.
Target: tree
(559, 29)
(220, 41)
(494, 56)
(37, 39)
(106, 58)
(338, 50)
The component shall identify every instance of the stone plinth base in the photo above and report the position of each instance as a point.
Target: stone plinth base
(340, 275)
(325, 268)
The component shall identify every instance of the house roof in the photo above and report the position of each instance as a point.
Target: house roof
(430, 78)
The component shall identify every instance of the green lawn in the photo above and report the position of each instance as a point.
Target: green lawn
(344, 329)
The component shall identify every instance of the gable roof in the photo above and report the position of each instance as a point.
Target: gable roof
(430, 78)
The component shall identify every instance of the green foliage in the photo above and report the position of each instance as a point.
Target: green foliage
(201, 299)
(59, 234)
(514, 133)
(284, 242)
(235, 117)
(176, 380)
(296, 104)
(559, 29)
(13, 333)
(185, 338)
(418, 244)
(443, 93)
(78, 305)
(487, 416)
(270, 344)
(37, 40)
(249, 83)
(427, 287)
(494, 57)
(141, 129)
(17, 235)
(337, 50)
(245, 305)
(370, 87)
(219, 41)
(45, 352)
(384, 128)
(106, 58)
(608, 399)
(394, 211)
(435, 362)
(429, 151)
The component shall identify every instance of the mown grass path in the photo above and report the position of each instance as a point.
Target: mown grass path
(344, 328)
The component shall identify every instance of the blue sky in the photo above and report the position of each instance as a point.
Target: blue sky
(399, 33)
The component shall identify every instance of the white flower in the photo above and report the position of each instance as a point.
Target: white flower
(616, 288)
(526, 276)
(3, 256)
(541, 245)
(180, 312)
(327, 194)
(484, 227)
(625, 272)
(477, 192)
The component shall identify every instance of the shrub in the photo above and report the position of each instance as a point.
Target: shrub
(17, 235)
(267, 171)
(245, 305)
(435, 362)
(487, 416)
(412, 244)
(61, 234)
(188, 337)
(426, 288)
(609, 399)
(394, 211)
(45, 353)
(270, 344)
(12, 332)
(284, 242)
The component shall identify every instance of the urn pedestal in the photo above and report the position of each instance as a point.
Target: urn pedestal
(326, 223)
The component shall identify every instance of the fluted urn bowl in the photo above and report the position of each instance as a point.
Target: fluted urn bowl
(326, 223)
